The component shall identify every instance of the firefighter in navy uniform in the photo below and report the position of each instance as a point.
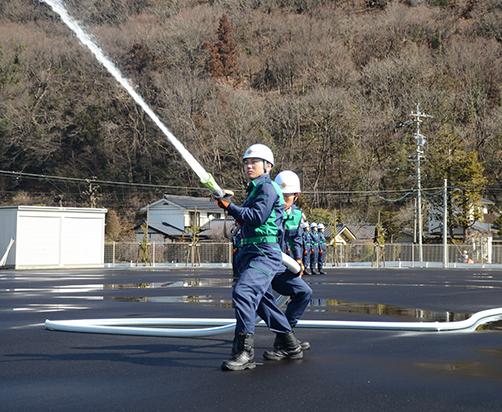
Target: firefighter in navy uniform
(306, 248)
(257, 262)
(322, 248)
(314, 247)
(287, 283)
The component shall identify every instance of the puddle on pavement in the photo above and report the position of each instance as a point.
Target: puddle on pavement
(445, 284)
(497, 325)
(481, 279)
(339, 306)
(185, 283)
(193, 299)
(466, 369)
(85, 288)
(315, 306)
(488, 367)
(92, 290)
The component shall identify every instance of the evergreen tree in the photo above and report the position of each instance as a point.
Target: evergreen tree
(223, 54)
(449, 158)
(213, 64)
(227, 47)
(112, 227)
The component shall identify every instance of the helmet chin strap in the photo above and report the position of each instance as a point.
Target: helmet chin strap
(265, 164)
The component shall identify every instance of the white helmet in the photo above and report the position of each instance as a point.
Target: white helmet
(288, 181)
(320, 226)
(259, 151)
(313, 225)
(303, 225)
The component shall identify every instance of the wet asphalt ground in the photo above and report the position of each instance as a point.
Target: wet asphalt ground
(346, 370)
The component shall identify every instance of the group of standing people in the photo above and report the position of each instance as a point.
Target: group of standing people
(314, 248)
(269, 224)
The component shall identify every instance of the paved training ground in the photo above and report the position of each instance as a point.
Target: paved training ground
(345, 370)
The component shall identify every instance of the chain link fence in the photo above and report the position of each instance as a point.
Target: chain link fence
(197, 254)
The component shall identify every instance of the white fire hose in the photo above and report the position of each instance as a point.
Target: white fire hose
(192, 328)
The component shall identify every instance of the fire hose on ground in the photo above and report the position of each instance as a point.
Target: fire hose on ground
(200, 327)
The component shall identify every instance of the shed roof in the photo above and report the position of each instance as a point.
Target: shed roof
(165, 229)
(186, 202)
(362, 231)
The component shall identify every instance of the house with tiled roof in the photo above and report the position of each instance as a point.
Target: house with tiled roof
(171, 217)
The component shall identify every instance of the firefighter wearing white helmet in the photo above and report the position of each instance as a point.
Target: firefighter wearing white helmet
(259, 151)
(289, 182)
(314, 248)
(287, 283)
(257, 260)
(322, 248)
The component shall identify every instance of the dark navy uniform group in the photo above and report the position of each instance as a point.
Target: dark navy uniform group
(314, 248)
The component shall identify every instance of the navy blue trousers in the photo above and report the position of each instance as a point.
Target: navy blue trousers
(306, 257)
(322, 256)
(314, 256)
(289, 284)
(252, 295)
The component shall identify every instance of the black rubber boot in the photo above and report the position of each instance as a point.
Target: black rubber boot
(286, 346)
(235, 344)
(303, 344)
(242, 353)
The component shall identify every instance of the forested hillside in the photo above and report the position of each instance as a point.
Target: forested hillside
(329, 85)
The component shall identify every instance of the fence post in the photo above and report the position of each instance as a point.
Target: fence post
(113, 253)
(153, 254)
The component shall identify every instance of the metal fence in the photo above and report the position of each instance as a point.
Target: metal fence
(189, 254)
(405, 252)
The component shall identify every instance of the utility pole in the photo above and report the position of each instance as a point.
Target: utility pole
(445, 224)
(420, 141)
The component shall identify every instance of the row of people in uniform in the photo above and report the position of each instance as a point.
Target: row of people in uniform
(314, 248)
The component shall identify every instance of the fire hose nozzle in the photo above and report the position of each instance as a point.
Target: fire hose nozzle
(211, 184)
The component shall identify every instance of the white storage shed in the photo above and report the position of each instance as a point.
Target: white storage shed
(52, 237)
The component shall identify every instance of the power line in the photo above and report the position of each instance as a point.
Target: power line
(93, 180)
(378, 193)
(37, 176)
